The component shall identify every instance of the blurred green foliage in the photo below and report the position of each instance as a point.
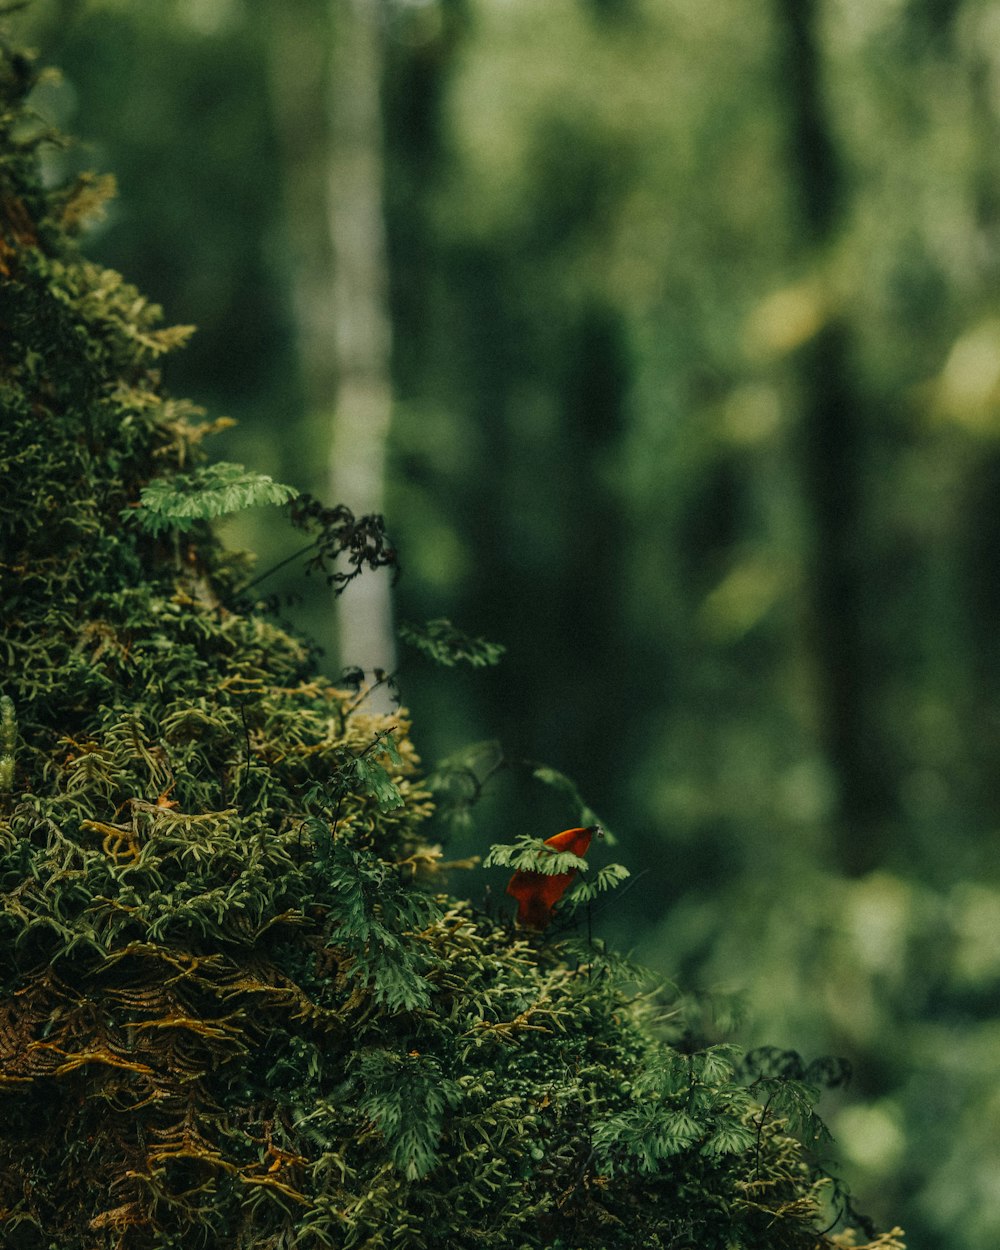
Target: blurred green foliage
(698, 413)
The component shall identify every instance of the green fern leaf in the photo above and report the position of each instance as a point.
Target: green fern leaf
(213, 490)
(441, 642)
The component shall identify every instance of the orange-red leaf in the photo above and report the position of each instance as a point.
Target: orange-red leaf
(537, 892)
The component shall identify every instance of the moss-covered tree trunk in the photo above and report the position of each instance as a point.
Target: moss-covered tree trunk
(231, 1016)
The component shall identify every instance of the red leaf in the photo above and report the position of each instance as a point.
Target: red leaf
(537, 892)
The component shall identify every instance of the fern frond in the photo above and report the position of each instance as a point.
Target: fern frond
(213, 490)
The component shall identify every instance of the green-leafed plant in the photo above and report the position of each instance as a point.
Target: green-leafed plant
(236, 1008)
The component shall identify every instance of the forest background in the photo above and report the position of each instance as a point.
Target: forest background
(679, 357)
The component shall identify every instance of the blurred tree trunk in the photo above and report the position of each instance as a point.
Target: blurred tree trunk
(326, 69)
(360, 306)
(833, 444)
(298, 45)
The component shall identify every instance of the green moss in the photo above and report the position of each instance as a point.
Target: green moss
(230, 1013)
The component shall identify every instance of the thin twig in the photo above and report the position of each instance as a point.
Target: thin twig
(275, 567)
